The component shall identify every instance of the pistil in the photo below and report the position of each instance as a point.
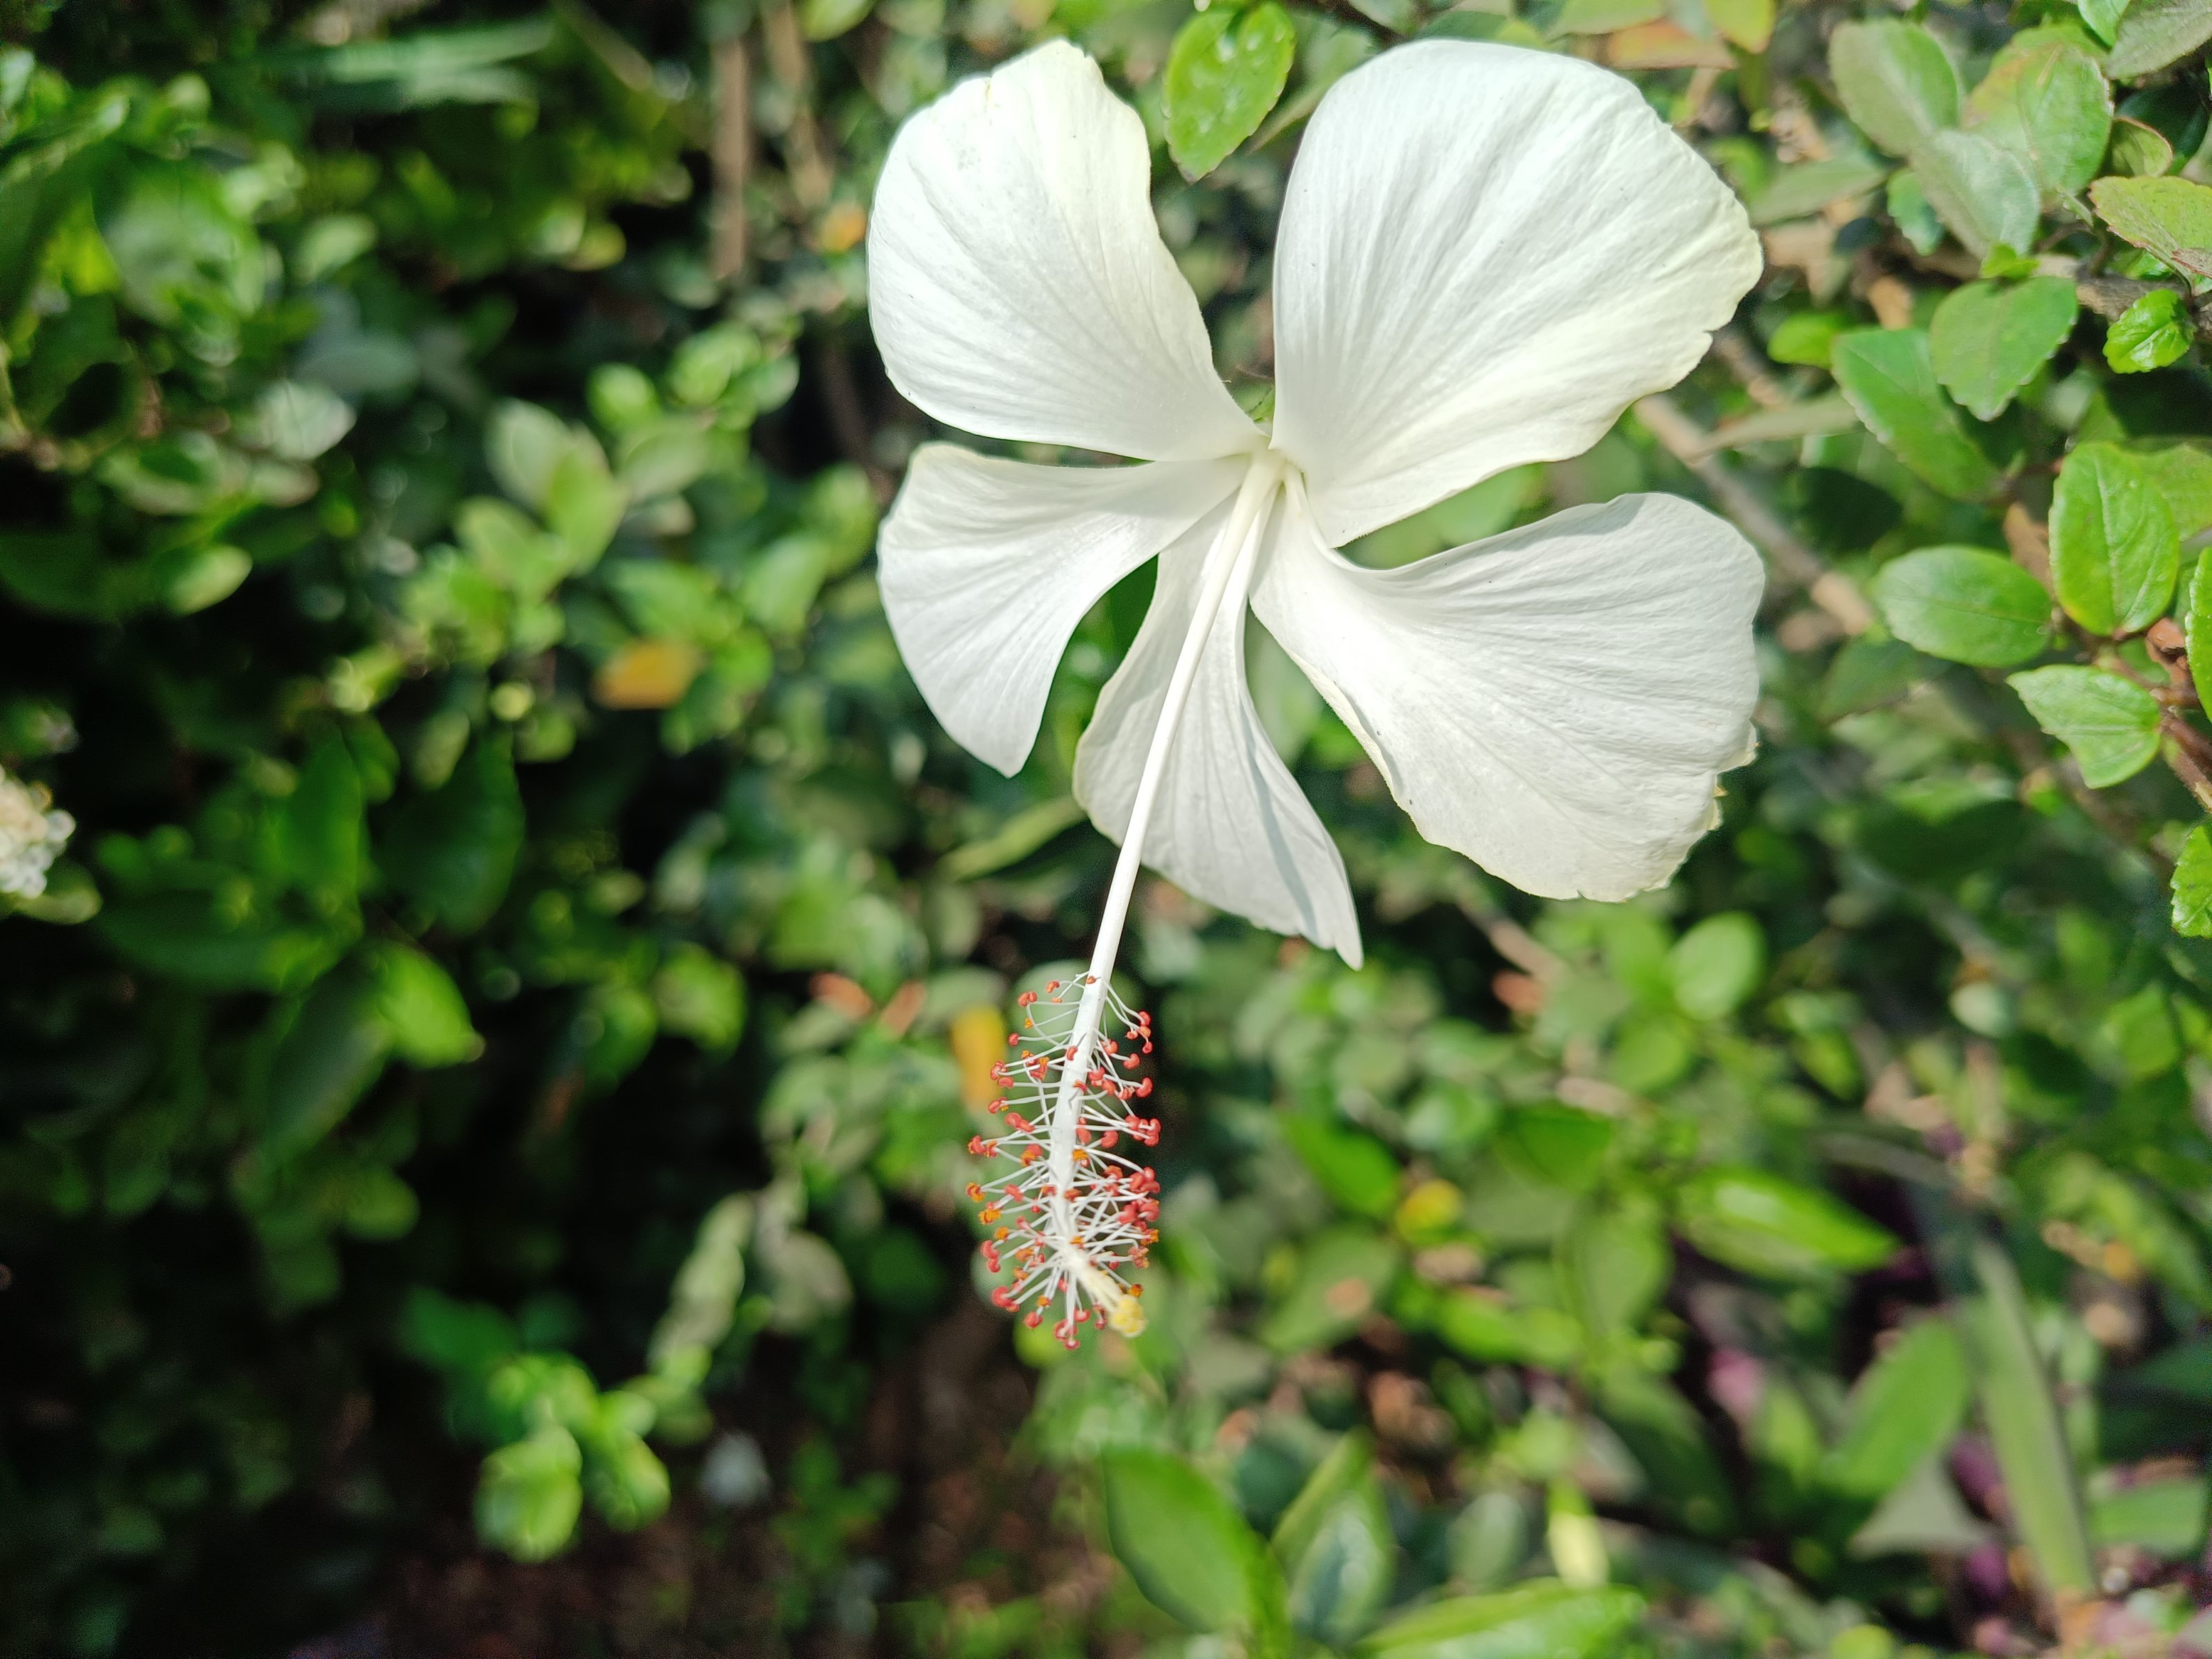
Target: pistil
(1091, 1211)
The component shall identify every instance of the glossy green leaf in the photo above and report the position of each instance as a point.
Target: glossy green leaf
(1226, 70)
(2110, 724)
(1964, 605)
(1989, 339)
(2154, 331)
(2197, 619)
(1896, 82)
(2114, 550)
(2192, 885)
(1889, 375)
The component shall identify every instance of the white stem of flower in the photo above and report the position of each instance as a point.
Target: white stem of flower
(1228, 573)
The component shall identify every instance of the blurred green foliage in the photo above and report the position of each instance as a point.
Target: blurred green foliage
(522, 927)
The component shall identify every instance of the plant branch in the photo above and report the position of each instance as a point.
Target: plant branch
(1798, 564)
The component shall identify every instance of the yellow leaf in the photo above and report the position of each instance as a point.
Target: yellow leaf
(646, 674)
(979, 1044)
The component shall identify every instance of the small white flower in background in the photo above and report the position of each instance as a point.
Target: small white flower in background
(1486, 254)
(32, 836)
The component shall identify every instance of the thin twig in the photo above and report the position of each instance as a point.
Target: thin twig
(732, 152)
(1688, 443)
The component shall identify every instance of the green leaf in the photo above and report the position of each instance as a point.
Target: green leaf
(1988, 340)
(1980, 189)
(1341, 1280)
(2103, 17)
(1907, 1408)
(1226, 71)
(325, 1063)
(1718, 964)
(1806, 336)
(452, 851)
(190, 579)
(528, 1495)
(700, 996)
(2045, 101)
(2181, 472)
(2197, 621)
(2110, 724)
(1746, 23)
(1614, 1265)
(2170, 218)
(2155, 33)
(1337, 1555)
(1964, 605)
(422, 1011)
(2114, 551)
(1896, 83)
(2021, 1417)
(1189, 1552)
(2153, 332)
(296, 420)
(2192, 886)
(1483, 1327)
(186, 258)
(2166, 1517)
(1357, 1171)
(1668, 1441)
(1765, 1225)
(1800, 191)
(1541, 1619)
(523, 444)
(626, 1483)
(2139, 150)
(1889, 376)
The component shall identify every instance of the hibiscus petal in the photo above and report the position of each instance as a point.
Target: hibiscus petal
(1229, 825)
(1555, 702)
(1486, 253)
(1017, 280)
(987, 565)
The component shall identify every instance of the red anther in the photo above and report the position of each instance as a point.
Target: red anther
(1025, 998)
(975, 1188)
(990, 1255)
(978, 1147)
(1143, 1088)
(1003, 1298)
(1013, 1042)
(1107, 1140)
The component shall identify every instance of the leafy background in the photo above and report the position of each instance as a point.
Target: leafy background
(483, 1097)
